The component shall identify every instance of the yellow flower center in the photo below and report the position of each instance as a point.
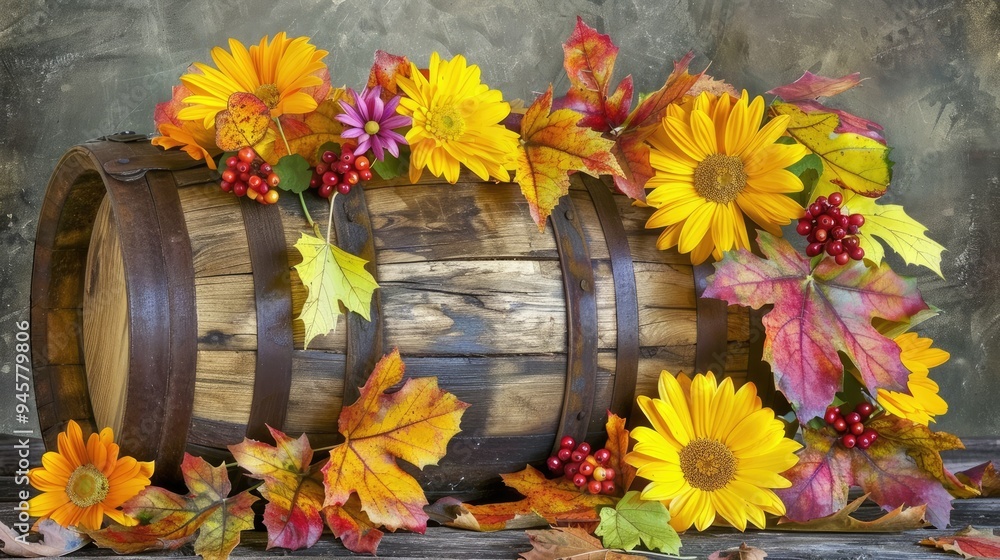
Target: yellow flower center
(445, 123)
(720, 178)
(269, 94)
(371, 128)
(707, 464)
(87, 486)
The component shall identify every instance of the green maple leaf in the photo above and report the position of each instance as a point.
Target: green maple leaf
(332, 276)
(634, 520)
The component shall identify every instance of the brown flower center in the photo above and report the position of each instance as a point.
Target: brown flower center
(87, 486)
(269, 94)
(446, 123)
(707, 464)
(720, 178)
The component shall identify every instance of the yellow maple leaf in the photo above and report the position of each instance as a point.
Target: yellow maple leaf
(850, 161)
(331, 276)
(414, 424)
(552, 145)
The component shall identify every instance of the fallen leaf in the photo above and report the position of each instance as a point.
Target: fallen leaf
(651, 108)
(168, 521)
(817, 314)
(589, 60)
(617, 445)
(244, 122)
(810, 87)
(55, 541)
(294, 495)
(331, 276)
(353, 527)
(900, 519)
(982, 478)
(633, 520)
(414, 424)
(744, 552)
(190, 136)
(850, 161)
(568, 543)
(552, 145)
(923, 446)
(827, 470)
(385, 70)
(969, 542)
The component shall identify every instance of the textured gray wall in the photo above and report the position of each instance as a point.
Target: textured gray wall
(70, 71)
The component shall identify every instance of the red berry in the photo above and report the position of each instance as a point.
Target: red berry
(329, 157)
(229, 176)
(821, 200)
(840, 425)
(315, 182)
(815, 209)
(361, 163)
(608, 487)
(342, 167)
(347, 156)
(255, 182)
(856, 220)
(352, 177)
(554, 464)
(247, 155)
(567, 442)
(857, 428)
(804, 227)
(825, 222)
(232, 161)
(842, 221)
(842, 259)
(864, 442)
(586, 469)
(820, 234)
(838, 232)
(322, 168)
(852, 230)
(849, 441)
(835, 199)
(850, 242)
(857, 253)
(865, 409)
(579, 480)
(564, 454)
(834, 248)
(243, 167)
(584, 447)
(325, 190)
(578, 457)
(244, 177)
(330, 178)
(814, 249)
(240, 188)
(872, 435)
(262, 188)
(365, 174)
(273, 180)
(808, 215)
(348, 148)
(571, 470)
(852, 417)
(811, 238)
(226, 186)
(600, 474)
(831, 415)
(609, 473)
(344, 188)
(834, 213)
(594, 487)
(602, 456)
(265, 168)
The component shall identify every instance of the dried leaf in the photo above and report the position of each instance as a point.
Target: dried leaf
(385, 70)
(353, 527)
(589, 59)
(850, 161)
(294, 496)
(552, 145)
(243, 123)
(817, 314)
(55, 541)
(651, 108)
(969, 542)
(190, 136)
(982, 478)
(713, 86)
(168, 521)
(923, 446)
(633, 520)
(618, 442)
(307, 133)
(810, 87)
(332, 276)
(568, 543)
(744, 552)
(900, 519)
(414, 424)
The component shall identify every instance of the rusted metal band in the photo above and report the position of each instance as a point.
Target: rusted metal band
(581, 313)
(626, 298)
(353, 225)
(273, 295)
(713, 327)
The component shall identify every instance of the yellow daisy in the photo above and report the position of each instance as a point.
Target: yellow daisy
(456, 120)
(714, 165)
(711, 451)
(923, 403)
(275, 71)
(81, 483)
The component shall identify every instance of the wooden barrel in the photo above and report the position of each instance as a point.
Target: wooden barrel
(164, 308)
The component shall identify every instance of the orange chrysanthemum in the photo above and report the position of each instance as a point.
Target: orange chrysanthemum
(81, 483)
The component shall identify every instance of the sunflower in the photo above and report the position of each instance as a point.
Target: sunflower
(279, 72)
(711, 451)
(923, 403)
(456, 120)
(81, 484)
(714, 165)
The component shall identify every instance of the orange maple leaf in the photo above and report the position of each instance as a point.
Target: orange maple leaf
(414, 424)
(552, 145)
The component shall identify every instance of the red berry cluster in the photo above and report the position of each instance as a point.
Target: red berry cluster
(588, 470)
(340, 172)
(248, 175)
(852, 425)
(828, 229)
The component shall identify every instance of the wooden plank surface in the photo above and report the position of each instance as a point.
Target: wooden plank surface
(445, 543)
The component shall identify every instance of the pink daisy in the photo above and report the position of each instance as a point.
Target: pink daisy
(371, 121)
